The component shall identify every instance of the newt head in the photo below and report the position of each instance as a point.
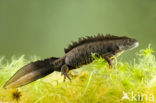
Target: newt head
(127, 44)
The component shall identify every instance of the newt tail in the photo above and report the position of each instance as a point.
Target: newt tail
(76, 55)
(33, 71)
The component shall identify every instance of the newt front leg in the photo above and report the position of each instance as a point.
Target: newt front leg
(108, 58)
(111, 56)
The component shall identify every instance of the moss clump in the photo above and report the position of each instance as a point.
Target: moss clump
(93, 83)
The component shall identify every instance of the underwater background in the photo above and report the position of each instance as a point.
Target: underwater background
(45, 27)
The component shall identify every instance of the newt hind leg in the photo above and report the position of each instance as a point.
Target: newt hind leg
(65, 72)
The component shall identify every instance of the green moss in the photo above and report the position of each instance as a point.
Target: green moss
(93, 83)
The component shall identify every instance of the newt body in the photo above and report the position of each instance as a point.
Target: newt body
(76, 55)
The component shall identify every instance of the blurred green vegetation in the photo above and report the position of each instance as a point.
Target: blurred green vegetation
(45, 27)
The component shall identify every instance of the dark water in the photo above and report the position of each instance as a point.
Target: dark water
(45, 27)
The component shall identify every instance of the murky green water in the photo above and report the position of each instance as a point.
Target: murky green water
(44, 28)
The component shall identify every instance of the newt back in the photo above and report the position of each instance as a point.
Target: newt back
(79, 53)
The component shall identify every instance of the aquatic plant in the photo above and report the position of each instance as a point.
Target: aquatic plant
(93, 83)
